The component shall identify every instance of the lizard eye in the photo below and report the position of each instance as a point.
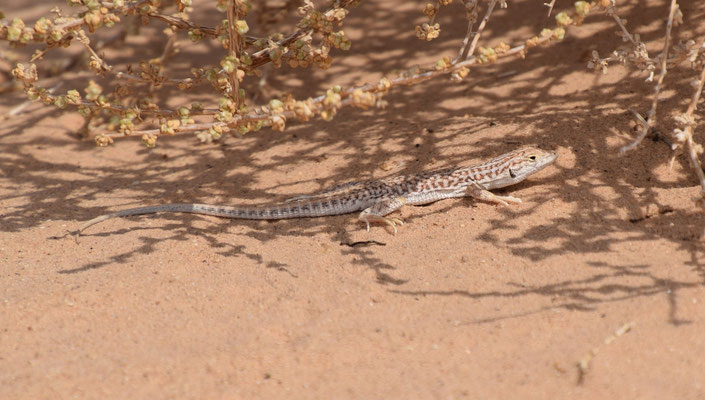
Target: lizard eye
(532, 158)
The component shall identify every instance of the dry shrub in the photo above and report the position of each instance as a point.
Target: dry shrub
(120, 109)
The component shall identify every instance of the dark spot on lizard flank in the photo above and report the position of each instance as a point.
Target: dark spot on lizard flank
(315, 206)
(262, 213)
(334, 202)
(294, 209)
(241, 212)
(305, 208)
(253, 213)
(274, 213)
(325, 204)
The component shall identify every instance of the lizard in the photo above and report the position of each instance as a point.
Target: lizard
(375, 199)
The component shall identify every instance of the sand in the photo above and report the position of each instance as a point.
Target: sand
(602, 264)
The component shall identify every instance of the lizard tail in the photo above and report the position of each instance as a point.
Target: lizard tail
(138, 211)
(295, 209)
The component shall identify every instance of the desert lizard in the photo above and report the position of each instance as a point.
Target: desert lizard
(377, 198)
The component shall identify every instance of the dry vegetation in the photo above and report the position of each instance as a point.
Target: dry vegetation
(123, 104)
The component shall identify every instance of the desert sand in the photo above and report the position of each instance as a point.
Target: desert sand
(602, 264)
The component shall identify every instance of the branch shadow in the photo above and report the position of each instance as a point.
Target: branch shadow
(583, 295)
(37, 184)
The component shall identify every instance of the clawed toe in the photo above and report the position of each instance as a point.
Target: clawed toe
(393, 222)
(505, 200)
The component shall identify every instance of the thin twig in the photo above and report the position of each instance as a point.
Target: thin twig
(471, 15)
(476, 37)
(651, 115)
(550, 6)
(464, 45)
(262, 57)
(100, 45)
(658, 135)
(438, 9)
(234, 48)
(187, 25)
(692, 146)
(168, 48)
(619, 22)
(105, 67)
(21, 107)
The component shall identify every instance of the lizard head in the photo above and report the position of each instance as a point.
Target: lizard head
(515, 166)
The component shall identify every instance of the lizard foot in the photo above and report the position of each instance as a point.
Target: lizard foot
(367, 218)
(505, 200)
(486, 195)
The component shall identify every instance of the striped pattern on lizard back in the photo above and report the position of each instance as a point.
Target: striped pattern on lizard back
(377, 198)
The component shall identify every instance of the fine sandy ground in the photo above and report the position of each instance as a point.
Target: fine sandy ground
(602, 263)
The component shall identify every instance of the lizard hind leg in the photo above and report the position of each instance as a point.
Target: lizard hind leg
(377, 213)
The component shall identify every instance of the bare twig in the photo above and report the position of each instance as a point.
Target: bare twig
(433, 18)
(21, 107)
(234, 48)
(698, 90)
(583, 363)
(686, 135)
(263, 56)
(467, 52)
(658, 135)
(100, 64)
(464, 45)
(183, 24)
(550, 6)
(651, 115)
(620, 23)
(188, 25)
(101, 44)
(168, 48)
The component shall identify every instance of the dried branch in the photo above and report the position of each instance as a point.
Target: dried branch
(234, 48)
(180, 23)
(17, 110)
(651, 115)
(379, 87)
(122, 114)
(550, 6)
(471, 7)
(263, 56)
(685, 134)
(621, 25)
(476, 37)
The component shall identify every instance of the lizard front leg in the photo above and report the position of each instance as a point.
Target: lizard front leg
(478, 192)
(382, 207)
